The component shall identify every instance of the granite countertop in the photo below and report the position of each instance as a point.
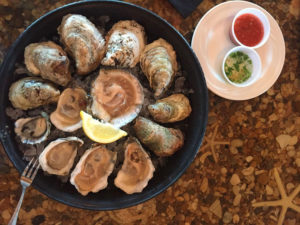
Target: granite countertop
(249, 138)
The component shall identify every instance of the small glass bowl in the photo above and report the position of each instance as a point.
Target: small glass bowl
(256, 62)
(261, 16)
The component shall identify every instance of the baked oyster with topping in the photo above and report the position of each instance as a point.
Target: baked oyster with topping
(174, 108)
(58, 156)
(48, 60)
(33, 130)
(158, 63)
(93, 169)
(32, 92)
(117, 96)
(161, 140)
(124, 43)
(66, 117)
(136, 170)
(83, 42)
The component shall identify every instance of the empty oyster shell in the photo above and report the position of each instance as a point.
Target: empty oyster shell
(93, 169)
(83, 42)
(48, 60)
(136, 170)
(58, 156)
(33, 130)
(124, 43)
(161, 140)
(32, 92)
(66, 117)
(117, 97)
(174, 108)
(158, 63)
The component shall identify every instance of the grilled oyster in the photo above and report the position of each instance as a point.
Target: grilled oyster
(158, 63)
(93, 169)
(66, 116)
(83, 42)
(161, 140)
(58, 156)
(32, 92)
(117, 97)
(33, 130)
(48, 60)
(136, 170)
(124, 43)
(174, 108)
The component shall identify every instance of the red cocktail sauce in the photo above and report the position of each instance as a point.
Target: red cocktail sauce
(248, 29)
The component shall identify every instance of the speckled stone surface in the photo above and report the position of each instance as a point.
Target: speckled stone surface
(243, 144)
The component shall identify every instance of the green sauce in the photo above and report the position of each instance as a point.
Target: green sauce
(238, 67)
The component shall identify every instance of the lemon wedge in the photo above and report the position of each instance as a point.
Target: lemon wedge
(100, 132)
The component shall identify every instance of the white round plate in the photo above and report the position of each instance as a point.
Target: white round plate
(211, 41)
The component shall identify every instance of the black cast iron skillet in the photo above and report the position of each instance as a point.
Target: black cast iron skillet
(155, 27)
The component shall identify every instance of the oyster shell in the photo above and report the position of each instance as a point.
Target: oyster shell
(32, 92)
(93, 169)
(83, 42)
(158, 63)
(48, 60)
(161, 140)
(117, 97)
(174, 108)
(136, 170)
(33, 130)
(124, 43)
(66, 117)
(58, 156)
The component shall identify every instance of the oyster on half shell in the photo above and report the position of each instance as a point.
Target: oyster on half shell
(33, 130)
(117, 96)
(136, 170)
(124, 43)
(58, 156)
(83, 42)
(158, 63)
(93, 169)
(32, 92)
(66, 117)
(48, 60)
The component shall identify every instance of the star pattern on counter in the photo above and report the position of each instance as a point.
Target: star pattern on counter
(285, 202)
(211, 142)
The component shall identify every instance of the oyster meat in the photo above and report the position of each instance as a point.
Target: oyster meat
(32, 92)
(83, 42)
(136, 170)
(158, 63)
(48, 60)
(161, 140)
(93, 169)
(66, 117)
(124, 43)
(58, 156)
(174, 108)
(33, 130)
(117, 97)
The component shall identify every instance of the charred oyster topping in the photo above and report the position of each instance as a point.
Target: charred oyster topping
(161, 140)
(136, 170)
(48, 60)
(158, 63)
(124, 44)
(32, 130)
(83, 41)
(117, 97)
(174, 108)
(93, 169)
(32, 92)
(66, 117)
(58, 156)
